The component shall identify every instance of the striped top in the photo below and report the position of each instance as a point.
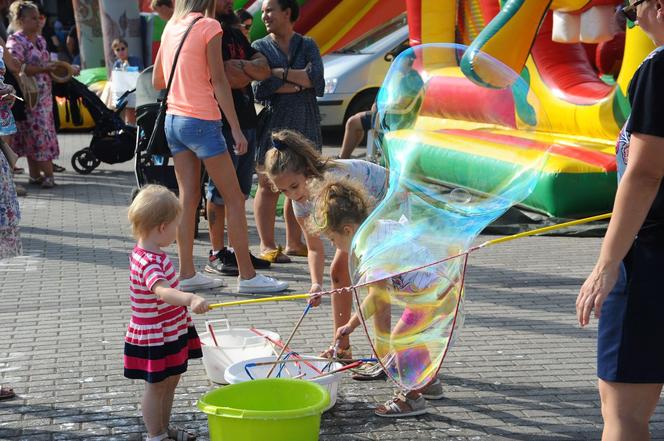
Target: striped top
(146, 269)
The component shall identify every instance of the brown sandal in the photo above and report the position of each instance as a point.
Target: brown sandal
(402, 406)
(301, 252)
(7, 393)
(342, 354)
(180, 434)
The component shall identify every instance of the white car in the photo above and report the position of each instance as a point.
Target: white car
(354, 74)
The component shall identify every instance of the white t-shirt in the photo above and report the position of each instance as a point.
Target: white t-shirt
(372, 177)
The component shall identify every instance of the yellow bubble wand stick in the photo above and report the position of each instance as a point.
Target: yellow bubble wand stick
(482, 245)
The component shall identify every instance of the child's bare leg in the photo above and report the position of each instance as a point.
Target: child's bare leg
(167, 403)
(152, 407)
(382, 323)
(342, 304)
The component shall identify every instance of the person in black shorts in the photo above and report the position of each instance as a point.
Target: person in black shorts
(356, 127)
(625, 286)
(242, 64)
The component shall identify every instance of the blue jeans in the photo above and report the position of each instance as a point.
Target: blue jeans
(244, 165)
(202, 137)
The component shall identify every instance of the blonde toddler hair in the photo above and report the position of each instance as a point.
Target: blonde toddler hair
(338, 202)
(153, 206)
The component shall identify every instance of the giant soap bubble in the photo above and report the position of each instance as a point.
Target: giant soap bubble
(459, 155)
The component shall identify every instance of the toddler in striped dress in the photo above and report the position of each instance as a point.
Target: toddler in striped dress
(161, 337)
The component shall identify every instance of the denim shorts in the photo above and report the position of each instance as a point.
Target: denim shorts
(202, 137)
(244, 166)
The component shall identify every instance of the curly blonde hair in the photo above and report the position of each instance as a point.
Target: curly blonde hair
(337, 203)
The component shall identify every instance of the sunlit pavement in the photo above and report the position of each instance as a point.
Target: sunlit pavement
(522, 369)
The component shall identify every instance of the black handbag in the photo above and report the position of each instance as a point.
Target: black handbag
(157, 145)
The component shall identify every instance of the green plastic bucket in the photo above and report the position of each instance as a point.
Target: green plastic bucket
(275, 409)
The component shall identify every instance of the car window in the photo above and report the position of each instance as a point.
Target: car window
(367, 44)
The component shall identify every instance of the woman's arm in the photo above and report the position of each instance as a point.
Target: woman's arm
(158, 80)
(222, 92)
(636, 193)
(312, 76)
(257, 67)
(31, 69)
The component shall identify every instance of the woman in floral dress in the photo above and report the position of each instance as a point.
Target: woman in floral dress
(36, 138)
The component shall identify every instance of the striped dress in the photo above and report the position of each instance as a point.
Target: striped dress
(160, 338)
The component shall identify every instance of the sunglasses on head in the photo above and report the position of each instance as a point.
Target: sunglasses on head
(630, 11)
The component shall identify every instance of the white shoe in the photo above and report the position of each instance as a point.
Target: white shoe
(260, 284)
(199, 281)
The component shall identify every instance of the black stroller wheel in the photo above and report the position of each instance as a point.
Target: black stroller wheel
(84, 161)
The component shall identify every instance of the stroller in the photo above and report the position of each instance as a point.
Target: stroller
(112, 139)
(154, 165)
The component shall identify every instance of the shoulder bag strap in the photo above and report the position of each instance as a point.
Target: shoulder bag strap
(175, 61)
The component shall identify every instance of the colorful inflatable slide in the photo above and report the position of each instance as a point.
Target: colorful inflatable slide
(578, 115)
(332, 23)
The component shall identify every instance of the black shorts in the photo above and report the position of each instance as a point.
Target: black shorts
(367, 119)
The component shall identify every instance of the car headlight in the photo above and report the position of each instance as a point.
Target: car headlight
(330, 85)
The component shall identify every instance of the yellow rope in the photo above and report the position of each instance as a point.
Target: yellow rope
(545, 229)
(261, 300)
(483, 245)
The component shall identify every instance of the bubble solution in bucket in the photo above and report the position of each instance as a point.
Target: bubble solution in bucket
(274, 409)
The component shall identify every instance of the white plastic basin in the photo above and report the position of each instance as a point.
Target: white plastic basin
(235, 345)
(236, 373)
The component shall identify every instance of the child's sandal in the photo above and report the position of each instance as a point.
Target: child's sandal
(180, 434)
(163, 437)
(342, 354)
(401, 406)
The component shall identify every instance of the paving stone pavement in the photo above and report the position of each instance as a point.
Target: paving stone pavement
(522, 369)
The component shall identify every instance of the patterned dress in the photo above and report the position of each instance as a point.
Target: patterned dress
(7, 123)
(36, 138)
(161, 337)
(295, 111)
(10, 242)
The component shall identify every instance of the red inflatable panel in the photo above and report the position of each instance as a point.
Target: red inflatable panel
(566, 70)
(384, 11)
(593, 157)
(312, 12)
(459, 98)
(414, 8)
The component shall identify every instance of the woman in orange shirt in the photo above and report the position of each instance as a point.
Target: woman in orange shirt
(193, 131)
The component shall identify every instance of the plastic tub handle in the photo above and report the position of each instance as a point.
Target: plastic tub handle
(224, 321)
(211, 409)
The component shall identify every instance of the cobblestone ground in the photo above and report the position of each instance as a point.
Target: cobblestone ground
(521, 370)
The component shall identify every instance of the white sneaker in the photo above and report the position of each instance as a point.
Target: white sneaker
(260, 284)
(199, 281)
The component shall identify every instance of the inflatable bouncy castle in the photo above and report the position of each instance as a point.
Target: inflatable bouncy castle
(332, 23)
(568, 54)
